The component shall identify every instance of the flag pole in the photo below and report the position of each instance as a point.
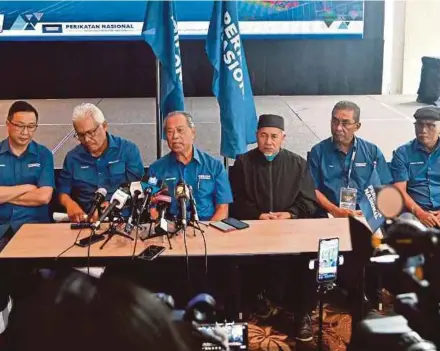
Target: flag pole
(226, 163)
(158, 113)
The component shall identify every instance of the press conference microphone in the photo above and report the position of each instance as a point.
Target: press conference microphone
(118, 201)
(163, 203)
(182, 195)
(151, 187)
(193, 204)
(98, 199)
(135, 192)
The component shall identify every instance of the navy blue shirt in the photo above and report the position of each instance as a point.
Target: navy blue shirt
(205, 174)
(83, 174)
(330, 167)
(413, 164)
(34, 166)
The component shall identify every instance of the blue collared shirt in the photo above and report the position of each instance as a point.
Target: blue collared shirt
(330, 167)
(34, 166)
(205, 174)
(413, 164)
(83, 174)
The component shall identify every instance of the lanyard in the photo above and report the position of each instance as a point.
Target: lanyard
(350, 169)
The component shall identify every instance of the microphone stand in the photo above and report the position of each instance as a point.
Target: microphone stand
(113, 230)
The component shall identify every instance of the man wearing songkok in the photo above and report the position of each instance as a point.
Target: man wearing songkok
(272, 183)
(205, 174)
(342, 166)
(416, 168)
(101, 160)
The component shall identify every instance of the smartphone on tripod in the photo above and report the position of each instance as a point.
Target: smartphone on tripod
(328, 256)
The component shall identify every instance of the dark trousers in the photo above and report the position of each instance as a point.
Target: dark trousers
(4, 276)
(286, 280)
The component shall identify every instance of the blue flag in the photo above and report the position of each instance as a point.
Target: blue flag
(231, 84)
(367, 204)
(160, 32)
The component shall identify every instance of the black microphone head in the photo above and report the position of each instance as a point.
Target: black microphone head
(181, 191)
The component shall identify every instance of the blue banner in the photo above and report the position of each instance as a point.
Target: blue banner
(231, 84)
(161, 33)
(368, 203)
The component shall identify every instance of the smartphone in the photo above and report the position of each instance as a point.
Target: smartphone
(237, 334)
(235, 223)
(151, 252)
(90, 240)
(328, 256)
(222, 226)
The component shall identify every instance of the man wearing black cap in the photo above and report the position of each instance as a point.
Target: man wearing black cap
(416, 168)
(272, 183)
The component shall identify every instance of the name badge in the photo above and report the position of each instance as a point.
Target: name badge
(111, 162)
(32, 165)
(347, 199)
(360, 164)
(85, 167)
(204, 176)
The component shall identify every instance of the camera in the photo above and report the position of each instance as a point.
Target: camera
(412, 252)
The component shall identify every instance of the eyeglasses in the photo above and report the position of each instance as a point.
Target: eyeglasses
(91, 133)
(345, 124)
(21, 127)
(421, 125)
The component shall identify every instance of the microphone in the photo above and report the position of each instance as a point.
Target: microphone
(98, 199)
(118, 201)
(193, 204)
(152, 186)
(163, 204)
(136, 192)
(182, 196)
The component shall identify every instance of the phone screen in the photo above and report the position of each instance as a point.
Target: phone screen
(222, 226)
(237, 334)
(151, 252)
(328, 255)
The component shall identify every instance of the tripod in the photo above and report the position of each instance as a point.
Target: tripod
(113, 230)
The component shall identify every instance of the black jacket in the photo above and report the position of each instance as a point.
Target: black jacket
(283, 185)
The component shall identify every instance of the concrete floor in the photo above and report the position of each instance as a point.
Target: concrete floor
(386, 121)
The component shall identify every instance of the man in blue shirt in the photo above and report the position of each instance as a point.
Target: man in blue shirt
(26, 184)
(196, 168)
(343, 164)
(101, 160)
(416, 168)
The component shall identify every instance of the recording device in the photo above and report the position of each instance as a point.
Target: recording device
(237, 224)
(328, 254)
(412, 253)
(98, 199)
(151, 187)
(135, 191)
(84, 225)
(163, 203)
(224, 227)
(151, 252)
(193, 204)
(182, 196)
(117, 201)
(236, 334)
(90, 240)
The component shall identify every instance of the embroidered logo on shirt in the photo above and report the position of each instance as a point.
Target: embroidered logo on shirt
(85, 167)
(360, 164)
(331, 166)
(173, 178)
(32, 165)
(417, 163)
(2, 165)
(204, 176)
(111, 162)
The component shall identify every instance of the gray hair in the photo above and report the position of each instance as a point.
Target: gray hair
(350, 106)
(187, 115)
(87, 109)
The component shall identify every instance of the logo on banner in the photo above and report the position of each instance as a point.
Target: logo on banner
(2, 19)
(27, 21)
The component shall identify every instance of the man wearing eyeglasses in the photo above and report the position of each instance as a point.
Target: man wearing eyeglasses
(342, 165)
(102, 160)
(416, 168)
(26, 185)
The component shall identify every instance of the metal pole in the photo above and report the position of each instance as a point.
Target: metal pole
(158, 113)
(226, 163)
